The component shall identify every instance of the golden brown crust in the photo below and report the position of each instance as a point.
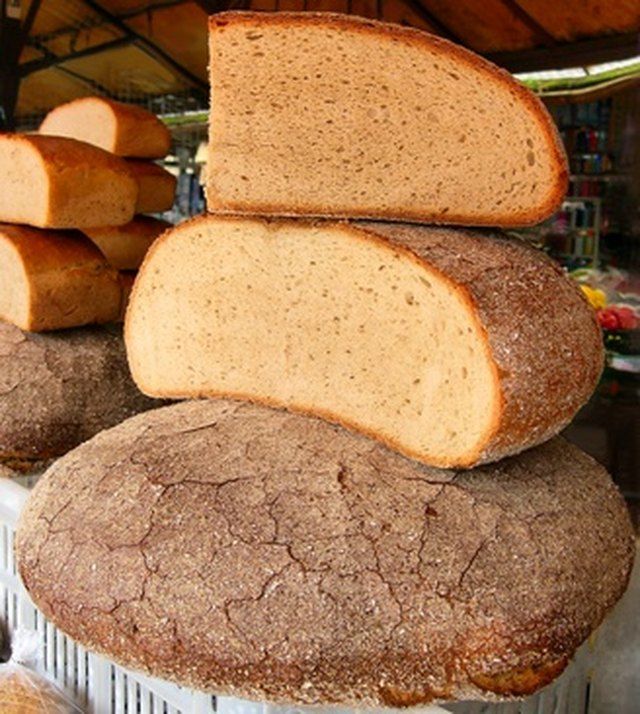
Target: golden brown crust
(140, 133)
(127, 279)
(79, 185)
(124, 247)
(419, 38)
(157, 186)
(68, 280)
(542, 336)
(59, 389)
(61, 153)
(317, 567)
(542, 333)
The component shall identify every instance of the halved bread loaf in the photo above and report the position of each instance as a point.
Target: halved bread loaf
(156, 187)
(125, 246)
(333, 115)
(50, 280)
(454, 347)
(246, 551)
(58, 389)
(123, 129)
(52, 182)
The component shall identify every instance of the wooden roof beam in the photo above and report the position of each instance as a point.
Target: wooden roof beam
(213, 6)
(101, 22)
(576, 54)
(147, 46)
(13, 35)
(436, 23)
(51, 60)
(542, 35)
(95, 86)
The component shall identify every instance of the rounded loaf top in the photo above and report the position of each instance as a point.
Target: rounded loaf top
(244, 550)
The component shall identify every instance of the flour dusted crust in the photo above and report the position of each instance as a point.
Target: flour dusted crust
(234, 187)
(534, 332)
(58, 389)
(268, 555)
(542, 334)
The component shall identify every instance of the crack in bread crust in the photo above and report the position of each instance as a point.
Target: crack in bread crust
(273, 556)
(59, 389)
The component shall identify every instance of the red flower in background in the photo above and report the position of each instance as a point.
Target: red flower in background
(617, 317)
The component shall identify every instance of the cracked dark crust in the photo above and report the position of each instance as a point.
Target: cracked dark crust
(243, 550)
(541, 335)
(420, 39)
(59, 389)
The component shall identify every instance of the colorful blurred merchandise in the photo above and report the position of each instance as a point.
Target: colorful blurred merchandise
(595, 296)
(618, 317)
(615, 296)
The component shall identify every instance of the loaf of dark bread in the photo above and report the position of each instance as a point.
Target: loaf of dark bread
(269, 555)
(455, 347)
(58, 389)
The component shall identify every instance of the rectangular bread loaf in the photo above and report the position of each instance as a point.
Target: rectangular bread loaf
(333, 115)
(125, 246)
(156, 187)
(452, 346)
(51, 182)
(123, 129)
(127, 279)
(53, 280)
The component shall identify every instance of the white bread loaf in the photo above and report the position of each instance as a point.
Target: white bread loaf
(51, 182)
(50, 280)
(125, 246)
(156, 187)
(271, 556)
(122, 129)
(334, 115)
(452, 346)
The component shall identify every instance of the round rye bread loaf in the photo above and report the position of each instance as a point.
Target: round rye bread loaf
(238, 549)
(58, 389)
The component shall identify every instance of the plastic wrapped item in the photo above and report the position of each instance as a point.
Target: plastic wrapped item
(24, 691)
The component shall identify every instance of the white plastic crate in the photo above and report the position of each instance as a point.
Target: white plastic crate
(102, 687)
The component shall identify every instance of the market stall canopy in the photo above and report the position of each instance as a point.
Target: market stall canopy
(57, 50)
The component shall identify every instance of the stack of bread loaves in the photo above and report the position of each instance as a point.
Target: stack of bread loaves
(274, 554)
(58, 389)
(137, 136)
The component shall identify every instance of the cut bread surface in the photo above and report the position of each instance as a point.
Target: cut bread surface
(53, 182)
(123, 129)
(322, 114)
(365, 324)
(50, 280)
